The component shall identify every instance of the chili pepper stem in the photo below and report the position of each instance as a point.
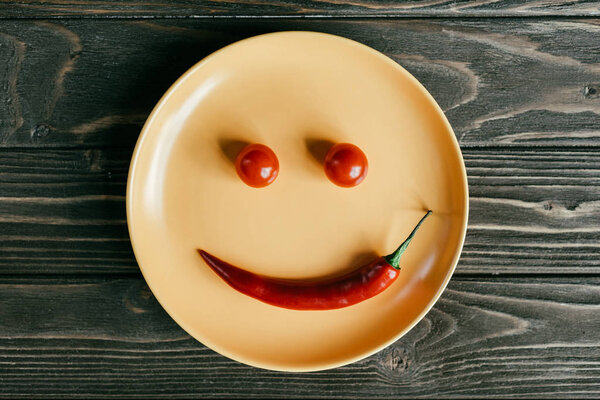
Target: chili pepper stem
(394, 258)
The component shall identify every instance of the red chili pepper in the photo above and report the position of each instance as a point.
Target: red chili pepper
(339, 292)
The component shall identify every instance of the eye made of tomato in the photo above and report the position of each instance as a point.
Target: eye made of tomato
(346, 165)
(257, 165)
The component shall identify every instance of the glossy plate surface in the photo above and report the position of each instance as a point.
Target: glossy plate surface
(296, 92)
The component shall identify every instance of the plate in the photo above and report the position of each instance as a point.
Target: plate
(296, 92)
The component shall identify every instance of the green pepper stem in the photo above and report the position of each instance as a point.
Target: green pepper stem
(394, 258)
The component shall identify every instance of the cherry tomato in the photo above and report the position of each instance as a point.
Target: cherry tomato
(346, 165)
(257, 165)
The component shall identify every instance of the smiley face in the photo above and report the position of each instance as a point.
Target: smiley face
(184, 193)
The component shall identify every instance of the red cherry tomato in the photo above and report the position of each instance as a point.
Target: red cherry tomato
(257, 165)
(346, 165)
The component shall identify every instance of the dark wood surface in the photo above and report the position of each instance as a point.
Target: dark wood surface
(532, 211)
(501, 82)
(520, 83)
(485, 336)
(291, 8)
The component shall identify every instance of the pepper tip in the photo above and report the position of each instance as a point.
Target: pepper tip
(394, 258)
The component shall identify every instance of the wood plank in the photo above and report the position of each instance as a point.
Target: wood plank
(500, 337)
(532, 211)
(501, 82)
(64, 211)
(290, 8)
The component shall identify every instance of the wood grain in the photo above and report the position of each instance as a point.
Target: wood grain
(532, 211)
(100, 339)
(64, 211)
(290, 8)
(501, 82)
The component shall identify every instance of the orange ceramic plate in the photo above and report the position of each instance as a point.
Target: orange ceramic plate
(293, 91)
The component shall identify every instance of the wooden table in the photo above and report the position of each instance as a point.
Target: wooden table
(520, 83)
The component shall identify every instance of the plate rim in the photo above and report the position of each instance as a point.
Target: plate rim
(280, 366)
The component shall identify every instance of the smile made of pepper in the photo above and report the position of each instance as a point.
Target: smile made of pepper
(346, 290)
